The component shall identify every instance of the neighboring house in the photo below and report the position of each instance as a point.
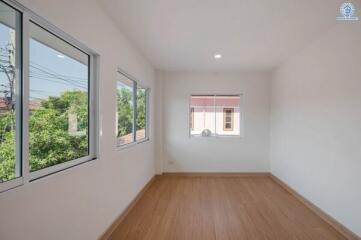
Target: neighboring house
(3, 105)
(129, 137)
(220, 114)
(35, 104)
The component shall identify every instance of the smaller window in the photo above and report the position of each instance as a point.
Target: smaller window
(215, 115)
(132, 111)
(228, 119)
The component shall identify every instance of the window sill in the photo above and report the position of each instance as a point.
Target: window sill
(43, 174)
(11, 184)
(59, 168)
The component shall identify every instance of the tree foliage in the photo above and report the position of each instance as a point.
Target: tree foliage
(49, 140)
(141, 109)
(7, 149)
(125, 110)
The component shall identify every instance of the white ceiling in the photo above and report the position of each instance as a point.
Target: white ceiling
(250, 34)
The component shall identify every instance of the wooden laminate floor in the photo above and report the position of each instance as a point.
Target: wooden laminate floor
(220, 208)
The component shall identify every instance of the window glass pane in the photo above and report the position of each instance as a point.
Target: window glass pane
(10, 109)
(228, 115)
(58, 100)
(203, 115)
(125, 112)
(141, 113)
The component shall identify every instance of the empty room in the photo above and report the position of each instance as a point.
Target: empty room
(180, 120)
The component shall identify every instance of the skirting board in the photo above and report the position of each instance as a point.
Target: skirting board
(348, 234)
(122, 216)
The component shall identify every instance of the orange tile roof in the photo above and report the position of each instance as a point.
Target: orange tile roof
(129, 137)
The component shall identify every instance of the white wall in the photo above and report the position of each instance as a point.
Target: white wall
(316, 123)
(315, 140)
(82, 202)
(184, 154)
(159, 133)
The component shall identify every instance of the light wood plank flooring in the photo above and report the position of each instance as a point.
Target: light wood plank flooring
(221, 208)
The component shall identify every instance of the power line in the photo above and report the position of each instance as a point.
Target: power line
(57, 76)
(62, 75)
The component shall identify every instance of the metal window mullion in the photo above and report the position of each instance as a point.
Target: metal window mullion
(18, 96)
(25, 100)
(189, 107)
(215, 115)
(134, 111)
(147, 114)
(241, 116)
(149, 120)
(92, 105)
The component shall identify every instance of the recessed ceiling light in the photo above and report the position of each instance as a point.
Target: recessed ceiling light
(217, 56)
(60, 56)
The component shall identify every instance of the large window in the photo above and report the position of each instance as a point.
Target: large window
(58, 100)
(132, 111)
(47, 107)
(10, 102)
(215, 115)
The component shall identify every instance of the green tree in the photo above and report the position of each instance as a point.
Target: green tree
(125, 111)
(7, 154)
(141, 109)
(49, 140)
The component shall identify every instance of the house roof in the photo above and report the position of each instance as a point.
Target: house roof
(129, 137)
(3, 104)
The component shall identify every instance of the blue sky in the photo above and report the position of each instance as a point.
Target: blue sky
(51, 72)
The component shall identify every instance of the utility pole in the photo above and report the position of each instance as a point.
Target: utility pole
(7, 66)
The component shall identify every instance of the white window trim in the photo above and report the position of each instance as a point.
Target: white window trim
(240, 135)
(147, 112)
(26, 177)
